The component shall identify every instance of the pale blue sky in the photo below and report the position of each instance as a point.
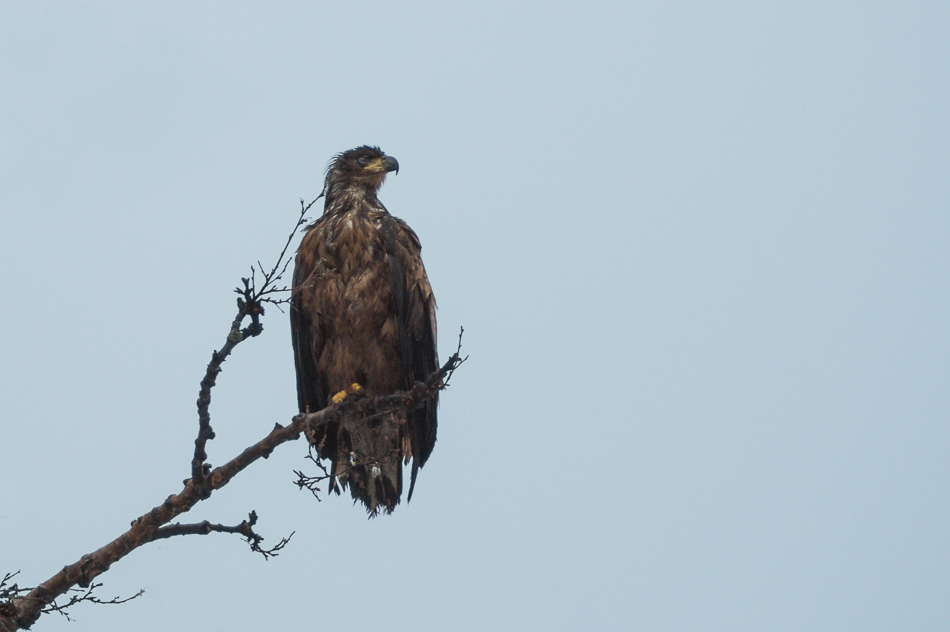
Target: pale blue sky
(700, 253)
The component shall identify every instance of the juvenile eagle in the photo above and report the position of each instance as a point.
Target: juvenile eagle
(362, 315)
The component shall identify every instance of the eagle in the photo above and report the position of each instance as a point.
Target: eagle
(362, 317)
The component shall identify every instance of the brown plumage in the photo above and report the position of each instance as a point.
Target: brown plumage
(362, 313)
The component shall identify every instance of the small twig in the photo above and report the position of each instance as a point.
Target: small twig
(246, 529)
(281, 265)
(87, 596)
(357, 460)
(8, 608)
(311, 483)
(455, 356)
(7, 591)
(274, 274)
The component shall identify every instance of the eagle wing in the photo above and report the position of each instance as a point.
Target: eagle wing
(414, 304)
(308, 335)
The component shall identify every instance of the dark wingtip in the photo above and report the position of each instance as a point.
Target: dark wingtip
(412, 479)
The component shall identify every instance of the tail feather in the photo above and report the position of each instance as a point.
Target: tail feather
(368, 460)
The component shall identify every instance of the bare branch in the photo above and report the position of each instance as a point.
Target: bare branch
(87, 596)
(81, 573)
(7, 591)
(281, 265)
(249, 304)
(311, 483)
(246, 529)
(198, 528)
(27, 609)
(421, 392)
(458, 360)
(8, 609)
(23, 611)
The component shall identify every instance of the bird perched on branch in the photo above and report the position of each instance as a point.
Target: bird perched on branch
(362, 317)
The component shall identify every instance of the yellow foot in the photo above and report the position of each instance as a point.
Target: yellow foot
(354, 389)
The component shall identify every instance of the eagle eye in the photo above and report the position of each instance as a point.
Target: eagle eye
(363, 160)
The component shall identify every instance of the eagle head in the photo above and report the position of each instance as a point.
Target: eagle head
(362, 168)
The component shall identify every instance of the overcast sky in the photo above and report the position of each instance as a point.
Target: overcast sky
(700, 254)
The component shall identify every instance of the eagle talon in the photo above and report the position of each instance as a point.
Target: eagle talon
(352, 389)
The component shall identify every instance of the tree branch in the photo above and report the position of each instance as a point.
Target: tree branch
(246, 529)
(22, 612)
(249, 304)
